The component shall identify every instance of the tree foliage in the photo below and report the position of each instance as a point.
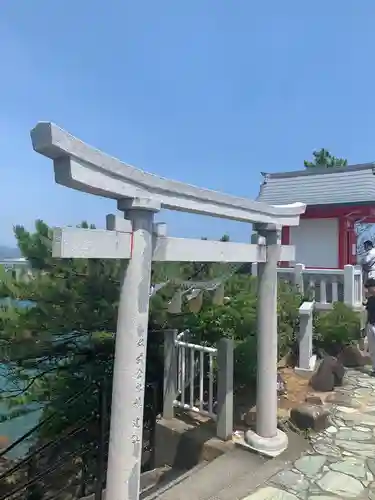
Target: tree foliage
(64, 339)
(323, 158)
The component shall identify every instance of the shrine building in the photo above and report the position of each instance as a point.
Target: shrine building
(339, 217)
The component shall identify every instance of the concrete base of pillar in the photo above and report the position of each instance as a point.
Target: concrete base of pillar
(306, 372)
(269, 447)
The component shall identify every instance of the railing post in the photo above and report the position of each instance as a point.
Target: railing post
(349, 285)
(306, 362)
(358, 286)
(298, 277)
(170, 373)
(224, 426)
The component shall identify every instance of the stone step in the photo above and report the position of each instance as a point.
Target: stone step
(149, 482)
(171, 479)
(231, 476)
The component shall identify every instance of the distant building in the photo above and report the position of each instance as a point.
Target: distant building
(13, 263)
(340, 213)
(18, 266)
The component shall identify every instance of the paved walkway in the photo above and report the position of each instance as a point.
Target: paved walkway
(342, 463)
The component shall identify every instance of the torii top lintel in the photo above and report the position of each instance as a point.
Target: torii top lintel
(82, 167)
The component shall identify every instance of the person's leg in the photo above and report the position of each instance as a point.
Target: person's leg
(371, 343)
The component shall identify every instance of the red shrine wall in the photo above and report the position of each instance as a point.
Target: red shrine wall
(346, 217)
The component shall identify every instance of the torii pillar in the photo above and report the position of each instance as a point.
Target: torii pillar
(268, 439)
(130, 359)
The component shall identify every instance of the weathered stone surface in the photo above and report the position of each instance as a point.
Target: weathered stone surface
(320, 497)
(310, 465)
(327, 450)
(360, 449)
(312, 399)
(371, 465)
(290, 480)
(340, 484)
(343, 399)
(353, 466)
(329, 374)
(331, 429)
(309, 416)
(270, 493)
(353, 435)
(342, 464)
(351, 357)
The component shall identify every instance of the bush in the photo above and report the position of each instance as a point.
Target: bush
(288, 304)
(238, 320)
(245, 362)
(336, 328)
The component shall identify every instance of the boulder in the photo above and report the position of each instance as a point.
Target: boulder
(308, 416)
(351, 357)
(338, 372)
(329, 374)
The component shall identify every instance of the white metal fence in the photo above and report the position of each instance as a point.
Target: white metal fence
(200, 379)
(195, 365)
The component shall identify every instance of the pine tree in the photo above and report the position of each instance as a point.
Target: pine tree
(65, 339)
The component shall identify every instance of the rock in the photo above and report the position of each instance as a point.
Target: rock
(309, 416)
(351, 357)
(312, 399)
(340, 484)
(290, 480)
(310, 465)
(329, 374)
(338, 372)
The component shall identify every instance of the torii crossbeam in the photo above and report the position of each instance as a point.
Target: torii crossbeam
(137, 239)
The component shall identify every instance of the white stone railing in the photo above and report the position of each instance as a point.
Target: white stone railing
(306, 359)
(325, 286)
(186, 368)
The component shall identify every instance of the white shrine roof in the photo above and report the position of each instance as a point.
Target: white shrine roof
(321, 185)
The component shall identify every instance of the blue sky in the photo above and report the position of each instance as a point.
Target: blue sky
(211, 92)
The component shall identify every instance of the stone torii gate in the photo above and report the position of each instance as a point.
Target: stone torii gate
(136, 238)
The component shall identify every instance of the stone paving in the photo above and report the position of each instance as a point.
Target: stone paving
(342, 461)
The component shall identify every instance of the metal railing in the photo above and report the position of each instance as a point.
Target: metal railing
(195, 361)
(199, 379)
